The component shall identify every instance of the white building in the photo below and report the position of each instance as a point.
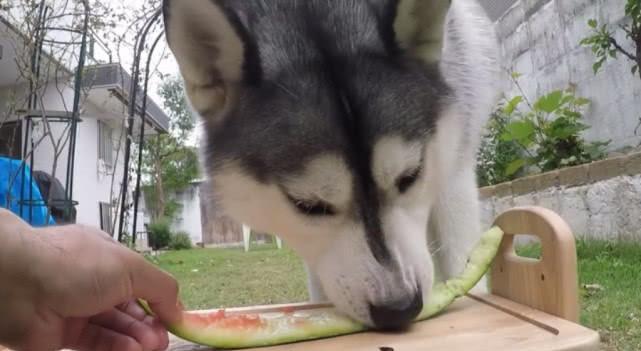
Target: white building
(99, 149)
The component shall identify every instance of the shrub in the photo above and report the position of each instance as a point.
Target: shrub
(550, 133)
(180, 241)
(525, 137)
(159, 234)
(495, 154)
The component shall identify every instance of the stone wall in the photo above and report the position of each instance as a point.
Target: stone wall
(601, 200)
(540, 39)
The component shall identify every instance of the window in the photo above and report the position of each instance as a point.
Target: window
(106, 217)
(11, 140)
(105, 144)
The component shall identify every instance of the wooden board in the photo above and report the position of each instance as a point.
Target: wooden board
(485, 322)
(548, 284)
(533, 305)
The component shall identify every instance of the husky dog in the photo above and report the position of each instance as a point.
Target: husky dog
(349, 128)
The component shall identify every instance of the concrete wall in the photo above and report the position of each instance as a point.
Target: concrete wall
(540, 39)
(601, 200)
(189, 219)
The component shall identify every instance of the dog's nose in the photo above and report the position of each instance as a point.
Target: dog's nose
(396, 315)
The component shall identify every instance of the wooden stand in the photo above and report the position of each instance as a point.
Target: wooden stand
(533, 305)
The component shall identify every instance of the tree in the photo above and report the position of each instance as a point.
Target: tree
(170, 164)
(605, 46)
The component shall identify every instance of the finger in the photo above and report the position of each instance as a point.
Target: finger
(142, 331)
(133, 309)
(160, 331)
(155, 286)
(98, 338)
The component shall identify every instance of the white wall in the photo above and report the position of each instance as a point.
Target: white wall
(189, 219)
(540, 39)
(91, 185)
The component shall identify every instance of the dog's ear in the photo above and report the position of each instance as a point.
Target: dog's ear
(209, 48)
(419, 26)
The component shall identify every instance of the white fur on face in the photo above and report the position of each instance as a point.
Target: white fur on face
(325, 178)
(335, 247)
(392, 156)
(353, 279)
(266, 208)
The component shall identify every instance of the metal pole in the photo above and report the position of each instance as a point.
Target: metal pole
(35, 56)
(133, 90)
(76, 107)
(141, 142)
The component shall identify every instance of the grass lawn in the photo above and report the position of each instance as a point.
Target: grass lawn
(610, 278)
(212, 278)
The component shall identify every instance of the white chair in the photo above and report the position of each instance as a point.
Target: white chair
(247, 237)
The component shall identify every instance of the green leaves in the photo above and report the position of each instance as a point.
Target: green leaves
(633, 9)
(541, 136)
(604, 45)
(582, 101)
(512, 105)
(550, 102)
(519, 131)
(563, 128)
(170, 163)
(515, 166)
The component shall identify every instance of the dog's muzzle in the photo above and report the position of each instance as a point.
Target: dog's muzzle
(396, 315)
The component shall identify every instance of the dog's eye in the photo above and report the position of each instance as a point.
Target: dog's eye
(405, 181)
(312, 207)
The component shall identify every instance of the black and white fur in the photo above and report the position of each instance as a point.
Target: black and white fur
(350, 129)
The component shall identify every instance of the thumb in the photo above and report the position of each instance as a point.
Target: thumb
(157, 287)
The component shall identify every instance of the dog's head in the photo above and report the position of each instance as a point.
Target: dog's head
(321, 119)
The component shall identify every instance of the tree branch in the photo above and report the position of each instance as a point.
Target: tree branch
(622, 50)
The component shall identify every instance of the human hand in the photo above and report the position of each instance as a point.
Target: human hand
(74, 287)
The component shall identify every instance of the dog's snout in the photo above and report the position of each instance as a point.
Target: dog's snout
(396, 315)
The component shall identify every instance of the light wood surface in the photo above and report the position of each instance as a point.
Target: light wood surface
(533, 305)
(484, 322)
(549, 284)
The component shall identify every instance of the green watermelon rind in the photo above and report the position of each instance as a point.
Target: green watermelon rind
(333, 324)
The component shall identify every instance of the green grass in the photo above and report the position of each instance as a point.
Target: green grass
(211, 278)
(610, 281)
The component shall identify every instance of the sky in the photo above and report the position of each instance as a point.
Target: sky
(163, 59)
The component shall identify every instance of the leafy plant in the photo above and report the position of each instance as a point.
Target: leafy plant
(180, 241)
(495, 154)
(525, 137)
(159, 234)
(549, 132)
(605, 46)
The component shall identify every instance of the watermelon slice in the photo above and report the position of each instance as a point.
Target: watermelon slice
(224, 330)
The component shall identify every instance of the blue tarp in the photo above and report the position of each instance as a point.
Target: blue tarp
(35, 215)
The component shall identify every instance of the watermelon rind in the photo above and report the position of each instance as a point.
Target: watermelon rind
(327, 322)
